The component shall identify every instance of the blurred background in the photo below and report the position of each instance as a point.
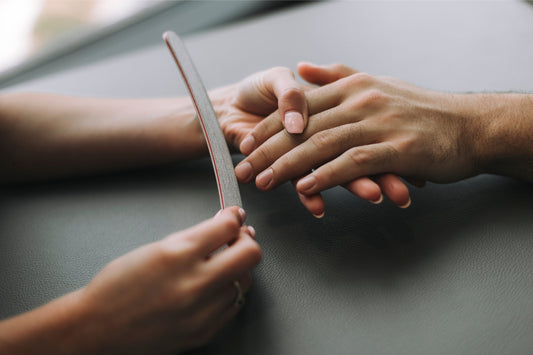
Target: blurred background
(34, 33)
(27, 26)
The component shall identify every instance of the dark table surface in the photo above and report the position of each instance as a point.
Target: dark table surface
(451, 274)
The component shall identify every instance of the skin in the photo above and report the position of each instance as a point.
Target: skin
(165, 297)
(60, 136)
(362, 125)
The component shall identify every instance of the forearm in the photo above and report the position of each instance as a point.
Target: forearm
(47, 136)
(55, 328)
(503, 133)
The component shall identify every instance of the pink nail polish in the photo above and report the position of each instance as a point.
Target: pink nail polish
(306, 183)
(243, 172)
(264, 179)
(294, 122)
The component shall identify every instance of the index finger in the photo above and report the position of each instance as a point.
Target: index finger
(210, 235)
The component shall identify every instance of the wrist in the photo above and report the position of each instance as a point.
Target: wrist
(500, 127)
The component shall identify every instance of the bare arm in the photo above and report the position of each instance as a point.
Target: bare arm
(165, 297)
(45, 136)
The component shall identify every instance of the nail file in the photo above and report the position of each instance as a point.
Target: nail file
(228, 189)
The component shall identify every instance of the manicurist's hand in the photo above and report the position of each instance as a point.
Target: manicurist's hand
(165, 297)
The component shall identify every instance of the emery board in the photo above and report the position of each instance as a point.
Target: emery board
(228, 188)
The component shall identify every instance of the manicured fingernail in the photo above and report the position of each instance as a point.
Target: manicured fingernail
(251, 230)
(319, 215)
(242, 214)
(247, 145)
(243, 172)
(264, 179)
(294, 122)
(407, 204)
(378, 201)
(306, 183)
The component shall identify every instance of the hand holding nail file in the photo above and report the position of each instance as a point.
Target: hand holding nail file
(228, 189)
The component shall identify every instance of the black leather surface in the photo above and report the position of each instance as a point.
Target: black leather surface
(453, 274)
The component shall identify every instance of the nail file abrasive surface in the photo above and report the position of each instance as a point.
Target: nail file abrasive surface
(228, 189)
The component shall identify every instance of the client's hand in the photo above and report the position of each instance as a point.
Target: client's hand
(368, 188)
(363, 125)
(240, 107)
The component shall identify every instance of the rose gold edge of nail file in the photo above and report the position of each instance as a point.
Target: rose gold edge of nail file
(228, 188)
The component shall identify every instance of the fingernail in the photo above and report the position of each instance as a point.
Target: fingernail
(378, 201)
(218, 213)
(407, 204)
(252, 232)
(243, 172)
(242, 214)
(294, 122)
(306, 183)
(319, 215)
(247, 145)
(264, 179)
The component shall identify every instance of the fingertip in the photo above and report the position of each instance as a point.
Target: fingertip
(242, 214)
(313, 203)
(247, 145)
(405, 205)
(319, 215)
(236, 211)
(244, 172)
(251, 231)
(378, 200)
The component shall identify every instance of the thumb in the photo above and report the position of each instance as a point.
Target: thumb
(323, 74)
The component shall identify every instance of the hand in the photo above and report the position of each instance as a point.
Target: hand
(363, 126)
(240, 107)
(370, 189)
(171, 295)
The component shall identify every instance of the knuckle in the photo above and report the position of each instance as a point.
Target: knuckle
(169, 256)
(390, 154)
(292, 94)
(187, 292)
(263, 156)
(359, 156)
(327, 173)
(338, 67)
(322, 139)
(360, 79)
(371, 98)
(280, 70)
(231, 225)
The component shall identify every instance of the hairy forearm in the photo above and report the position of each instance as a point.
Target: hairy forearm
(503, 133)
(46, 136)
